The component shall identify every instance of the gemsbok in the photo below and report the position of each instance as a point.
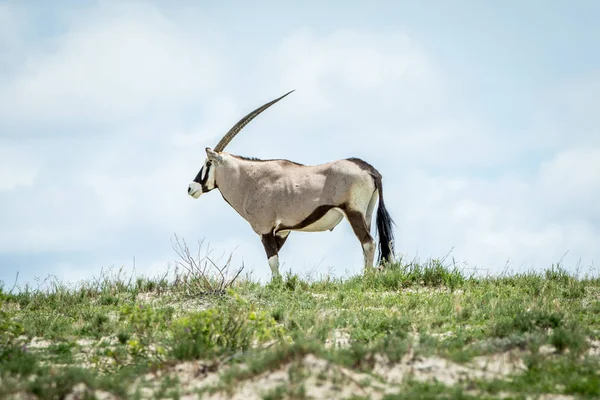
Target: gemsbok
(279, 196)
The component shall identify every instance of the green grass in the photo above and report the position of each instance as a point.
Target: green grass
(126, 336)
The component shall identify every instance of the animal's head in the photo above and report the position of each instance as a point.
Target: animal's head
(205, 181)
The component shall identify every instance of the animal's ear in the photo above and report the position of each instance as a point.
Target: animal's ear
(214, 156)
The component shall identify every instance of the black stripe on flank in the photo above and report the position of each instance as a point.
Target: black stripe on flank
(316, 215)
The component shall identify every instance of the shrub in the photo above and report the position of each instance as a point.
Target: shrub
(10, 329)
(523, 322)
(143, 324)
(211, 333)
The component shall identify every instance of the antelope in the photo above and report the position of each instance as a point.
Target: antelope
(278, 196)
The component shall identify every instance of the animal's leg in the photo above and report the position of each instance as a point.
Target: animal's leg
(281, 238)
(370, 208)
(359, 226)
(269, 242)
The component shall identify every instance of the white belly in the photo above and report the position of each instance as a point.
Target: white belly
(327, 221)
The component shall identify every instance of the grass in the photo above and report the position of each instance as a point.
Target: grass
(208, 335)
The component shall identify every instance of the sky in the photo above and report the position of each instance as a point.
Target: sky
(481, 117)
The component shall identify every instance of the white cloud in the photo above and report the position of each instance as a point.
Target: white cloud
(573, 174)
(8, 34)
(17, 167)
(12, 27)
(388, 67)
(116, 61)
(376, 95)
(570, 185)
(532, 221)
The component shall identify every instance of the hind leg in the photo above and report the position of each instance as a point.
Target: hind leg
(360, 227)
(370, 208)
(369, 216)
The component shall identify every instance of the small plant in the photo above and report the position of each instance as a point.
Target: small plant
(572, 339)
(278, 314)
(558, 274)
(396, 276)
(109, 300)
(202, 276)
(10, 329)
(523, 322)
(293, 282)
(379, 325)
(14, 357)
(123, 337)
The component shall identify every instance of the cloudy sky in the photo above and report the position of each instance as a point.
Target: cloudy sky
(481, 117)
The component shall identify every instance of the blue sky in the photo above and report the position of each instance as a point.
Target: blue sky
(481, 117)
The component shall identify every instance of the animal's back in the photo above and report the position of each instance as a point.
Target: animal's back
(328, 183)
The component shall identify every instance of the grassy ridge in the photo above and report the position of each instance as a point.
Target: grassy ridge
(417, 330)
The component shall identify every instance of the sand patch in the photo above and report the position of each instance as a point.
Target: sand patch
(313, 376)
(434, 368)
(82, 391)
(38, 343)
(594, 349)
(320, 380)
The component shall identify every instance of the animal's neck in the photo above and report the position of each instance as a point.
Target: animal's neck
(231, 183)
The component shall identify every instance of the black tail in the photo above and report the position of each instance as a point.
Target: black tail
(384, 228)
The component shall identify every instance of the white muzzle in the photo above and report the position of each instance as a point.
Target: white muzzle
(195, 189)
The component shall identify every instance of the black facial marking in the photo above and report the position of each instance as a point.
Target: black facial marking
(198, 178)
(202, 181)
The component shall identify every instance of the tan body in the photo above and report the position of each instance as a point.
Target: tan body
(276, 196)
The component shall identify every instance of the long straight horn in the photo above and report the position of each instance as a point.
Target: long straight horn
(238, 127)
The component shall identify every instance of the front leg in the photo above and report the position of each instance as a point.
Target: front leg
(281, 238)
(269, 241)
